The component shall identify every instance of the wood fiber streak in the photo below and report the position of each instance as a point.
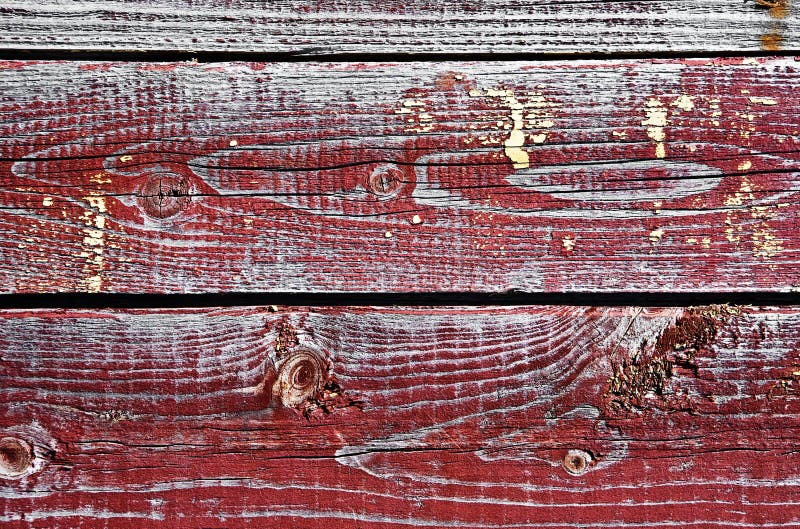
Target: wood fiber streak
(590, 176)
(450, 417)
(421, 26)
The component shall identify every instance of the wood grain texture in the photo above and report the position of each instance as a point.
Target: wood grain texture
(447, 417)
(420, 26)
(591, 176)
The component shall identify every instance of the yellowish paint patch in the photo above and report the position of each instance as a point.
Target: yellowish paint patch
(126, 158)
(768, 101)
(533, 111)
(656, 120)
(684, 102)
(656, 235)
(47, 201)
(745, 165)
(568, 243)
(93, 244)
(233, 143)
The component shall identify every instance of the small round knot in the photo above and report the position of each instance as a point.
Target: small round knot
(16, 457)
(164, 195)
(577, 462)
(385, 180)
(299, 379)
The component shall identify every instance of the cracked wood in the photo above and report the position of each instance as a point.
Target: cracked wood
(422, 26)
(593, 176)
(467, 417)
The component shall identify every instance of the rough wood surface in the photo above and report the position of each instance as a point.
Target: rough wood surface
(450, 417)
(420, 26)
(594, 176)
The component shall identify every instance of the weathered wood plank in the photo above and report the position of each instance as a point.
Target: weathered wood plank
(423, 26)
(451, 417)
(594, 176)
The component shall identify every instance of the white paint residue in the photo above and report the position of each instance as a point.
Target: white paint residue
(47, 201)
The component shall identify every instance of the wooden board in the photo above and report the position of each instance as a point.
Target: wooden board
(420, 26)
(582, 176)
(390, 417)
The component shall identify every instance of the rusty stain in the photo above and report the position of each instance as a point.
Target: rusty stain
(16, 457)
(641, 380)
(771, 42)
(577, 462)
(778, 9)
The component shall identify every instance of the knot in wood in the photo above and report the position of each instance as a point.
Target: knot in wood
(164, 195)
(577, 462)
(16, 457)
(299, 379)
(385, 180)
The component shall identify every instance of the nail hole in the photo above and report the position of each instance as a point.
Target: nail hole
(16, 457)
(577, 462)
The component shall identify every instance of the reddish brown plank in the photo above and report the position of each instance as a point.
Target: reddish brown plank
(593, 176)
(316, 27)
(446, 417)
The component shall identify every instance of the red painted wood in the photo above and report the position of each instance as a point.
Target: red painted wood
(394, 178)
(442, 417)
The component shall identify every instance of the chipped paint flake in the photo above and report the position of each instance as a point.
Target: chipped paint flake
(656, 120)
(768, 101)
(684, 102)
(656, 235)
(526, 113)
